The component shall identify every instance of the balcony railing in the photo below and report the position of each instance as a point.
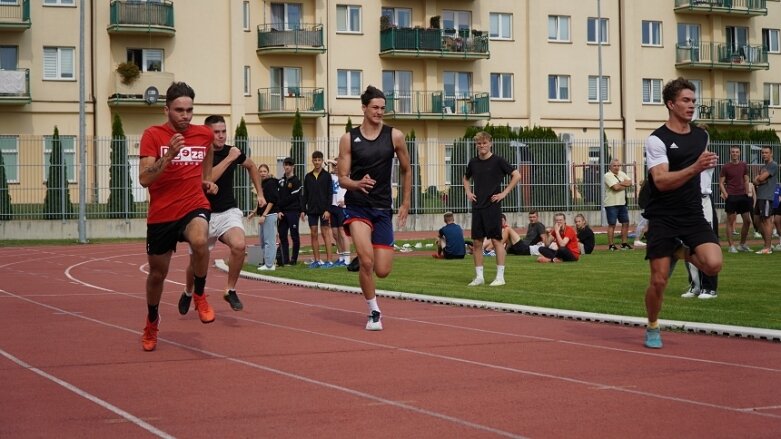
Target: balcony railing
(15, 87)
(285, 101)
(434, 43)
(142, 17)
(733, 112)
(133, 94)
(437, 105)
(749, 8)
(304, 39)
(15, 17)
(706, 55)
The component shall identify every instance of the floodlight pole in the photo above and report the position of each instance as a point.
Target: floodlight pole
(82, 133)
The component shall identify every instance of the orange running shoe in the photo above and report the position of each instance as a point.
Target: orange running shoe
(205, 311)
(149, 339)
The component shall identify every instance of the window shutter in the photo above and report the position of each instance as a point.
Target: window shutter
(49, 63)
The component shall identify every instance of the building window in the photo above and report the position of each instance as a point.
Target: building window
(147, 60)
(558, 28)
(348, 83)
(247, 87)
(9, 148)
(245, 16)
(772, 94)
(738, 92)
(286, 16)
(69, 156)
(399, 17)
(59, 2)
(558, 88)
(449, 164)
(8, 57)
(501, 26)
(456, 20)
(285, 81)
(58, 63)
(501, 85)
(597, 31)
(397, 85)
(770, 40)
(652, 91)
(652, 33)
(348, 18)
(594, 85)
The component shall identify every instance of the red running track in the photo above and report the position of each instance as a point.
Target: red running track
(298, 363)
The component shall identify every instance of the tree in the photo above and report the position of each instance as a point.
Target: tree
(349, 125)
(120, 198)
(298, 147)
(241, 183)
(6, 208)
(57, 203)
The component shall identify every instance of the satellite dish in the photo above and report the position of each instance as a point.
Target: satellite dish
(151, 94)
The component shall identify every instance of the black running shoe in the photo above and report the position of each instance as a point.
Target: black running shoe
(184, 303)
(625, 246)
(233, 298)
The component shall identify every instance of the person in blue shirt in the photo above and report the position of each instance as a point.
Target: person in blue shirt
(450, 240)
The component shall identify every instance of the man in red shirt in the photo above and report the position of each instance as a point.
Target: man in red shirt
(175, 165)
(736, 189)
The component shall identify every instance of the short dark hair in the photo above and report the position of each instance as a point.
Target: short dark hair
(672, 88)
(288, 161)
(371, 92)
(214, 118)
(178, 90)
(317, 155)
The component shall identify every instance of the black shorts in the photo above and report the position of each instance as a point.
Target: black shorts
(519, 248)
(738, 204)
(337, 216)
(314, 219)
(665, 234)
(487, 223)
(162, 237)
(452, 256)
(763, 208)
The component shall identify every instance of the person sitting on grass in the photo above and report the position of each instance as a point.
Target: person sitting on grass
(450, 240)
(562, 242)
(529, 245)
(586, 241)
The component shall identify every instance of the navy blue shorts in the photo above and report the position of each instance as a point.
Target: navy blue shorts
(617, 213)
(380, 220)
(337, 216)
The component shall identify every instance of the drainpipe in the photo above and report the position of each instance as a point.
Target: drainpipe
(621, 72)
(93, 75)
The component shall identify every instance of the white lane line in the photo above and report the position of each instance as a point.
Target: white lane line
(104, 404)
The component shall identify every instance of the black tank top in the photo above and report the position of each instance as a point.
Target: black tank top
(375, 158)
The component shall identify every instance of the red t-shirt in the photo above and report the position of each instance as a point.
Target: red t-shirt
(733, 177)
(179, 189)
(572, 245)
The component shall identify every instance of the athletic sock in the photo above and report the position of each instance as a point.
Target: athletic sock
(199, 284)
(500, 271)
(479, 271)
(152, 313)
(653, 325)
(373, 304)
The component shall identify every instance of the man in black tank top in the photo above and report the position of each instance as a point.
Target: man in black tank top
(676, 155)
(365, 167)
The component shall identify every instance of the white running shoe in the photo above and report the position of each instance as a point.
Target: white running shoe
(691, 292)
(477, 281)
(640, 244)
(265, 268)
(744, 248)
(708, 294)
(732, 249)
(497, 282)
(375, 322)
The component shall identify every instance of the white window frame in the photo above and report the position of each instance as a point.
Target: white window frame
(771, 38)
(348, 76)
(602, 31)
(772, 89)
(148, 56)
(558, 85)
(60, 54)
(247, 81)
(287, 23)
(655, 33)
(7, 150)
(8, 2)
(502, 79)
(559, 28)
(70, 156)
(497, 22)
(654, 88)
(739, 92)
(245, 18)
(460, 19)
(399, 17)
(344, 20)
(69, 3)
(593, 85)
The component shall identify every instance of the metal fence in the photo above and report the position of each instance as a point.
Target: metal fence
(555, 175)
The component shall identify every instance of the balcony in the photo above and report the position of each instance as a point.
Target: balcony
(730, 112)
(434, 43)
(133, 94)
(134, 17)
(306, 39)
(437, 105)
(720, 56)
(16, 17)
(282, 102)
(15, 87)
(745, 8)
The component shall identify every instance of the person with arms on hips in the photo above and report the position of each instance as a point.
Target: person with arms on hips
(336, 211)
(562, 242)
(267, 219)
(531, 243)
(175, 166)
(616, 184)
(486, 171)
(736, 190)
(289, 211)
(700, 284)
(365, 170)
(765, 183)
(586, 240)
(450, 240)
(676, 154)
(316, 199)
(226, 222)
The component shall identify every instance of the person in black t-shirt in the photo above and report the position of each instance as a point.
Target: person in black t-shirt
(289, 210)
(487, 170)
(267, 219)
(316, 197)
(585, 235)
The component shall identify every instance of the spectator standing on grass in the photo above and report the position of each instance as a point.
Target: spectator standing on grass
(562, 242)
(700, 284)
(267, 219)
(586, 240)
(316, 200)
(736, 190)
(450, 240)
(486, 171)
(676, 155)
(365, 167)
(616, 184)
(337, 217)
(765, 183)
(289, 210)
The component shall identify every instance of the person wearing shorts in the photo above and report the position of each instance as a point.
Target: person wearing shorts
(486, 171)
(735, 188)
(227, 220)
(316, 199)
(531, 243)
(366, 155)
(616, 184)
(175, 165)
(765, 183)
(336, 211)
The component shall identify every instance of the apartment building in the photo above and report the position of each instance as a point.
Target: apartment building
(445, 65)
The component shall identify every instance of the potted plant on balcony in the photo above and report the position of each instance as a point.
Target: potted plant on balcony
(431, 38)
(129, 72)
